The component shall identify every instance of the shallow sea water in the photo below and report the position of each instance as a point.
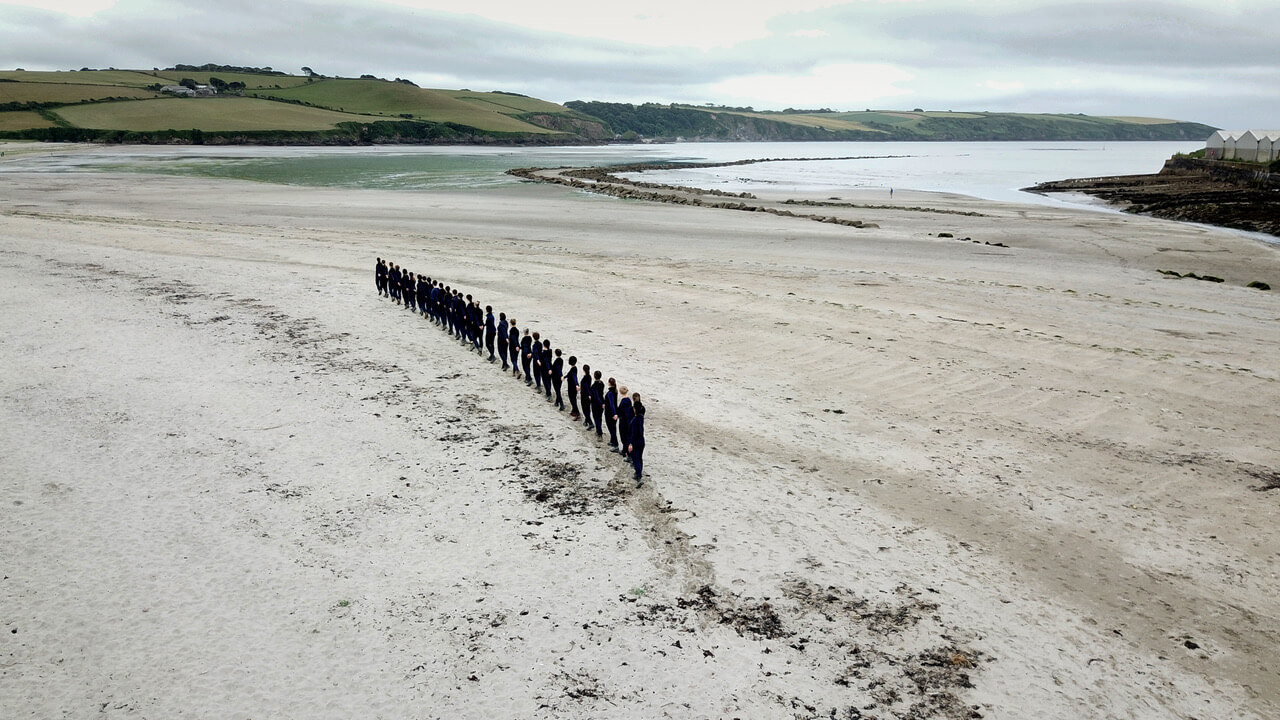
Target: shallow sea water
(994, 170)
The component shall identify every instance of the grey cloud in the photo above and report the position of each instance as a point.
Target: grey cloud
(1230, 55)
(338, 40)
(1154, 34)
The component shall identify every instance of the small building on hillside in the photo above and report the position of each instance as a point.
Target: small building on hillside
(185, 91)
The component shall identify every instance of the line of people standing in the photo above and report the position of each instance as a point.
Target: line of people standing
(601, 404)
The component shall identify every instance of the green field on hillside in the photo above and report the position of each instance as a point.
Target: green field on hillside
(824, 121)
(393, 99)
(124, 78)
(225, 113)
(505, 103)
(25, 92)
(22, 120)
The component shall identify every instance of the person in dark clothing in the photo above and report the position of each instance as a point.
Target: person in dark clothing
(513, 343)
(572, 378)
(636, 448)
(585, 388)
(455, 316)
(557, 377)
(393, 282)
(460, 317)
(526, 355)
(597, 405)
(502, 330)
(424, 293)
(406, 294)
(625, 416)
(611, 412)
(548, 359)
(535, 361)
(471, 335)
(477, 327)
(380, 277)
(490, 330)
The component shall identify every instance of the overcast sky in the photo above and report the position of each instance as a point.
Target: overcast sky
(1211, 61)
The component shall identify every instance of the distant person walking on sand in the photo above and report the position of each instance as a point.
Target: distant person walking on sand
(636, 448)
(380, 277)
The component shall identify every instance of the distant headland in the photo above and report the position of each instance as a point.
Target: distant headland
(227, 104)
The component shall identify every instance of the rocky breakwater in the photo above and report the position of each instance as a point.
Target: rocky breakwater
(1228, 194)
(605, 181)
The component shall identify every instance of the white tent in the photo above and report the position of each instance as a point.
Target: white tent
(1247, 146)
(1215, 148)
(1268, 145)
(1229, 147)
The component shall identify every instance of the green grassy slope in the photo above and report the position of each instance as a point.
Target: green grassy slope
(225, 113)
(68, 93)
(124, 106)
(123, 78)
(23, 120)
(393, 99)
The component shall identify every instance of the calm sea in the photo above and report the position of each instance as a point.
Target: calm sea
(988, 170)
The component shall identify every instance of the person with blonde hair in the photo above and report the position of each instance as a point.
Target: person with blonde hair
(624, 417)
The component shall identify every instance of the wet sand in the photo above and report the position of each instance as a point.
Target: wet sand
(892, 474)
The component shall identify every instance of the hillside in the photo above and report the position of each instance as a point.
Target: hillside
(264, 106)
(687, 122)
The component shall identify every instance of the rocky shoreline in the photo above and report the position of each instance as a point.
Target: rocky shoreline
(1191, 190)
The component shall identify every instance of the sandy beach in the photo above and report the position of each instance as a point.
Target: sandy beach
(891, 474)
